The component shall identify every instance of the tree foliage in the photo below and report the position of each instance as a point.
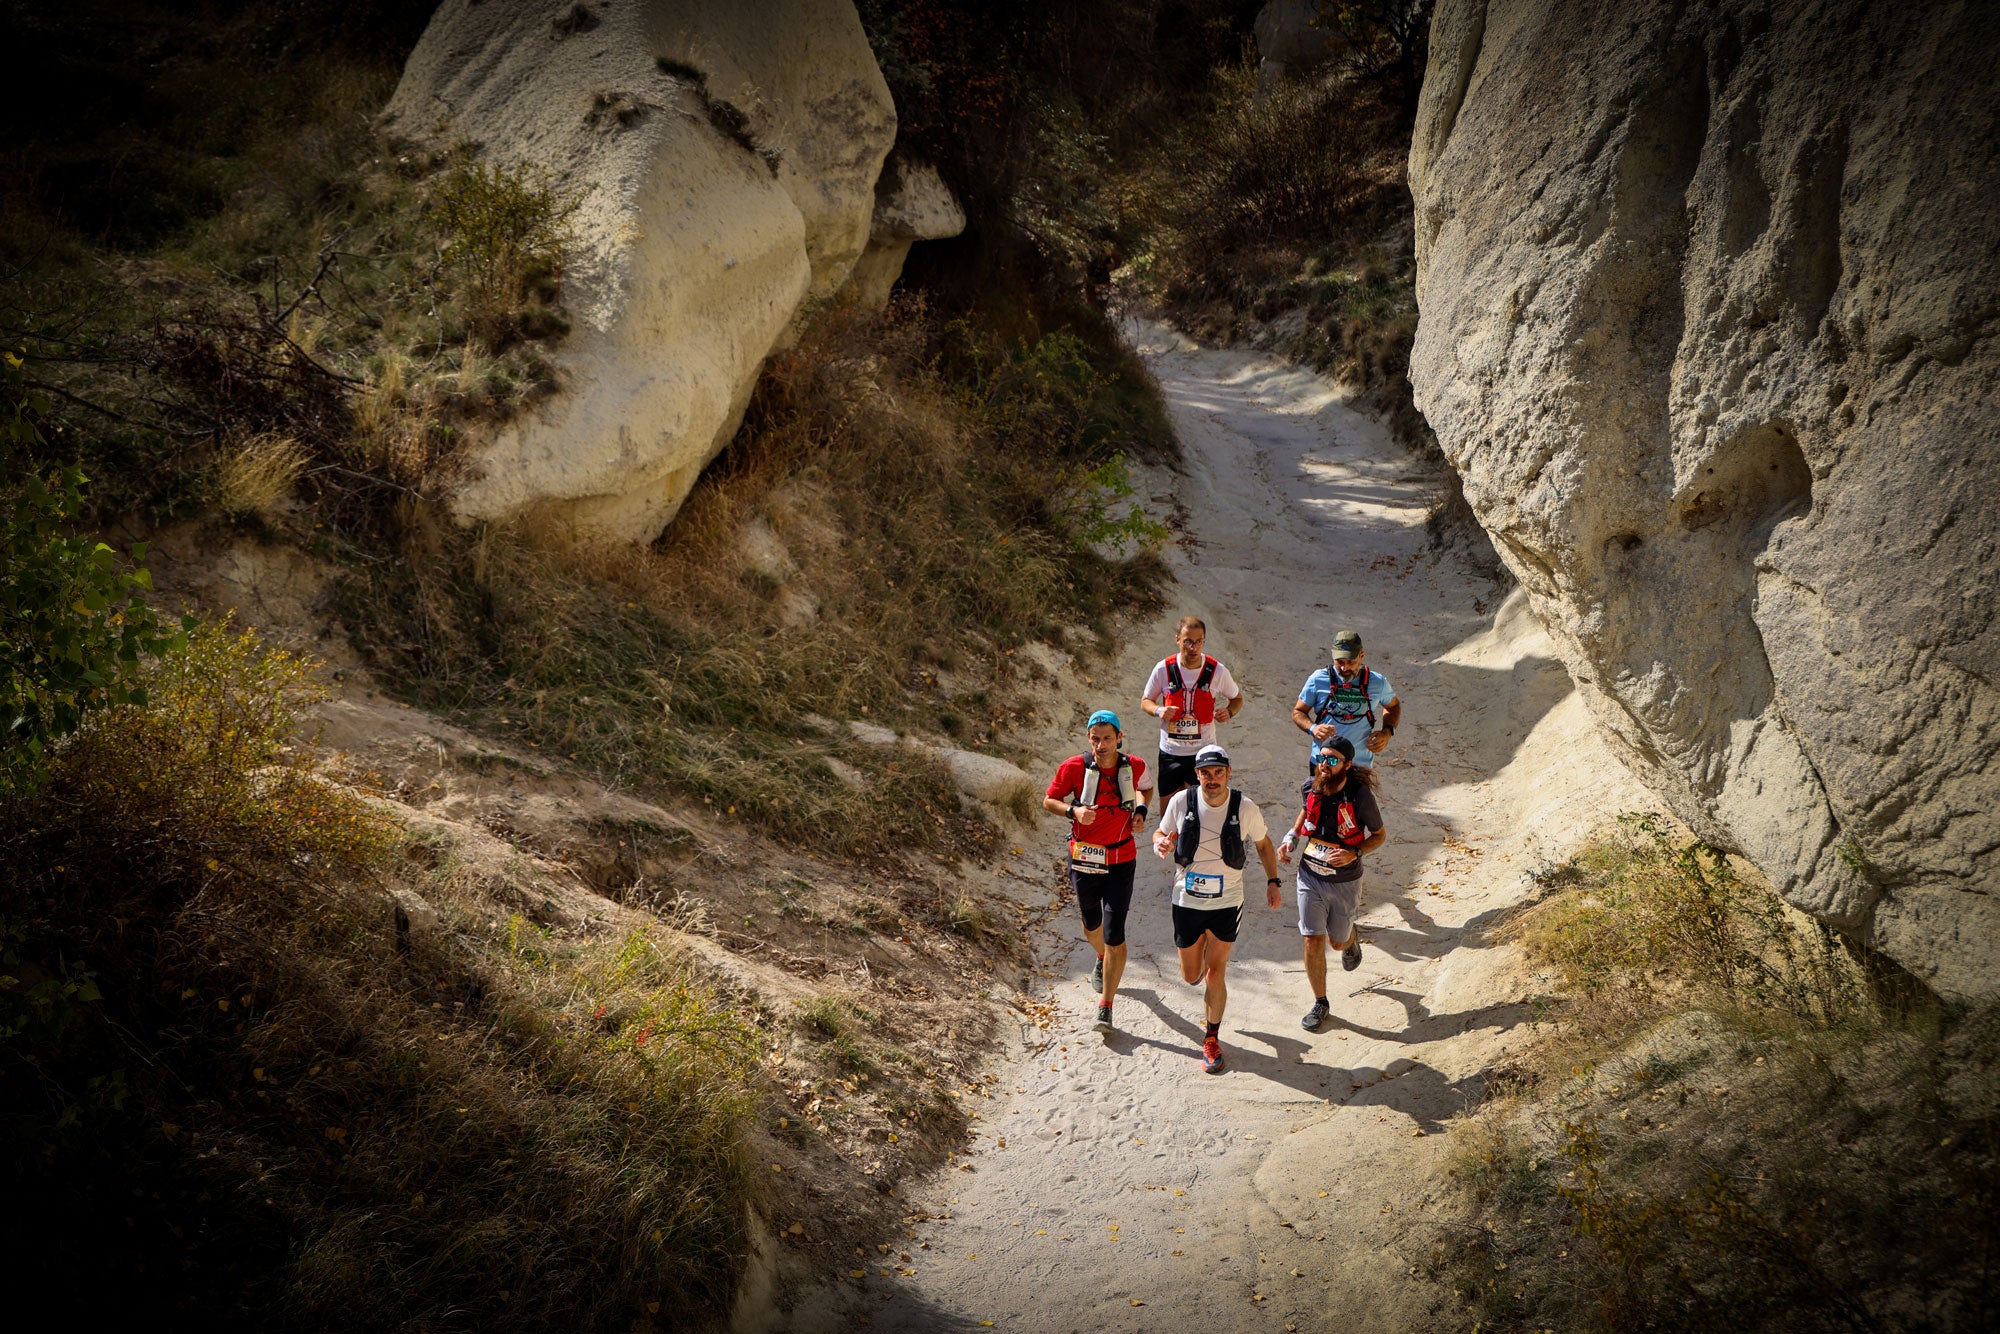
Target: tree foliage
(73, 625)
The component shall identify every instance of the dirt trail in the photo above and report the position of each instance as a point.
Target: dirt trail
(1111, 1184)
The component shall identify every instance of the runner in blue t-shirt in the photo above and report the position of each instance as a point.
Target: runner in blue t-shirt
(1346, 699)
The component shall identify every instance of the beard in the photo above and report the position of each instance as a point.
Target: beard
(1328, 784)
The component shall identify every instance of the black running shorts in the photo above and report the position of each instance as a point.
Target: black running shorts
(1104, 897)
(1175, 772)
(1189, 923)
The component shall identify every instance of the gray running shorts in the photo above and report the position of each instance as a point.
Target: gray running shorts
(1327, 907)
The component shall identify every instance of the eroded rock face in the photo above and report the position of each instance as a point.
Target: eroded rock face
(912, 204)
(1708, 301)
(726, 152)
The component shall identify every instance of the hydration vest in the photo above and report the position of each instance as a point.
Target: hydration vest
(1340, 692)
(1334, 819)
(1128, 784)
(1198, 699)
(1189, 841)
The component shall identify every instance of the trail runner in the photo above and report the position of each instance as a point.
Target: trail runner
(1340, 823)
(1347, 699)
(1104, 794)
(1189, 692)
(1207, 830)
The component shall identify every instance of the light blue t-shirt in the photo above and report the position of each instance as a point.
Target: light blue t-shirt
(1348, 716)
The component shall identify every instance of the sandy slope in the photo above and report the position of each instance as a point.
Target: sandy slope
(1113, 1185)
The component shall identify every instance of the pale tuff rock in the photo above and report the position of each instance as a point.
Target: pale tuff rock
(726, 155)
(1708, 299)
(912, 203)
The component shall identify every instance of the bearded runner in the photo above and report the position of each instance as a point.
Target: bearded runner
(1346, 699)
(1340, 822)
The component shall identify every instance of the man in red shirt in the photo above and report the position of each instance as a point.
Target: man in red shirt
(1104, 795)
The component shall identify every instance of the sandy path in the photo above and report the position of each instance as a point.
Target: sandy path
(1111, 1184)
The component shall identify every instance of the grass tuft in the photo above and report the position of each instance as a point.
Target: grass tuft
(1724, 1126)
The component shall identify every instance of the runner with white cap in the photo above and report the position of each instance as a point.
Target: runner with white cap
(1208, 830)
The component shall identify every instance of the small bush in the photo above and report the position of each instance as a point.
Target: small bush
(74, 628)
(510, 230)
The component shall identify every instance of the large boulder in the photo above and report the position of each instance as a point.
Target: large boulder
(1709, 294)
(726, 152)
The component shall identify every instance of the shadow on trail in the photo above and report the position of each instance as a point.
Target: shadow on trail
(1416, 1090)
(1423, 1026)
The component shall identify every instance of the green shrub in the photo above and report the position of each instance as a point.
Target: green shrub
(509, 230)
(74, 632)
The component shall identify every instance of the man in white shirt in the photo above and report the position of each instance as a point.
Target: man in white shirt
(1207, 830)
(1189, 693)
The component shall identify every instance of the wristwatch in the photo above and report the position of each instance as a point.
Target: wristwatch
(1274, 881)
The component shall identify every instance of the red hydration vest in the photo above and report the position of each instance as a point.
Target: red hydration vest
(1335, 820)
(1197, 699)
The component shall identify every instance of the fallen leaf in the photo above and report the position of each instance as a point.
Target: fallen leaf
(1137, 1302)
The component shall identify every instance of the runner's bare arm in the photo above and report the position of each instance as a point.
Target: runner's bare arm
(1372, 842)
(1234, 707)
(1391, 712)
(1302, 716)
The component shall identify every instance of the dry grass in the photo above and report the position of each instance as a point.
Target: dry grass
(1723, 1127)
(924, 489)
(241, 1084)
(258, 478)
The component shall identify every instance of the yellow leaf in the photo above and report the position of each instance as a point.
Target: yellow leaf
(1179, 1191)
(652, 1308)
(857, 1273)
(1137, 1302)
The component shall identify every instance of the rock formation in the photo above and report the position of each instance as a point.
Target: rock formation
(912, 204)
(1708, 301)
(726, 152)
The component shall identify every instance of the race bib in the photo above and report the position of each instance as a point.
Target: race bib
(1088, 856)
(1197, 885)
(1319, 854)
(1186, 727)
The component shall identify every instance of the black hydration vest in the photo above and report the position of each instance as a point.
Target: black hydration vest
(1189, 841)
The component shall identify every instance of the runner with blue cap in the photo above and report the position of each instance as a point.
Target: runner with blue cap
(1104, 794)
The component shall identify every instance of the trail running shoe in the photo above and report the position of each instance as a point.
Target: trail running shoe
(1350, 958)
(1104, 1019)
(1211, 1056)
(1316, 1015)
(1097, 976)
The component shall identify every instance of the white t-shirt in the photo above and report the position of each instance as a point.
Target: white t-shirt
(1210, 882)
(1222, 683)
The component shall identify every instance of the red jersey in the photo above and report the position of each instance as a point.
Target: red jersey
(1109, 835)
